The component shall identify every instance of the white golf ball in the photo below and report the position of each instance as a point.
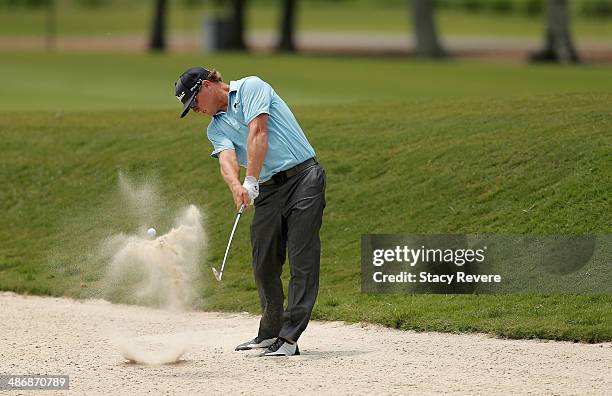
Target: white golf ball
(151, 232)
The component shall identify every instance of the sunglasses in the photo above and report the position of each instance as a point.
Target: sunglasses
(194, 101)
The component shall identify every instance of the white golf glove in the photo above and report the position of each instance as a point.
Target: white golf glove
(252, 186)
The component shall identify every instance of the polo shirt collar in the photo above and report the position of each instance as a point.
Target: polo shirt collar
(234, 85)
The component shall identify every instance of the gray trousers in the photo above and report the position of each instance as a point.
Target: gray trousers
(287, 221)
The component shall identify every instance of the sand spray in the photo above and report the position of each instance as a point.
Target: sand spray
(160, 272)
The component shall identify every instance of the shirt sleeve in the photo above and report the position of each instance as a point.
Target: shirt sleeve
(219, 141)
(256, 98)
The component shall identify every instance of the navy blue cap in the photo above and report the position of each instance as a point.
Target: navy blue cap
(187, 86)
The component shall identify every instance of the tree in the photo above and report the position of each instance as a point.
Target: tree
(236, 26)
(158, 31)
(51, 24)
(558, 44)
(425, 33)
(287, 26)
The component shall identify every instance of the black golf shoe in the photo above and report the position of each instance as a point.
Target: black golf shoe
(254, 344)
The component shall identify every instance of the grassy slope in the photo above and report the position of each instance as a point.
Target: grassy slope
(394, 166)
(135, 19)
(56, 205)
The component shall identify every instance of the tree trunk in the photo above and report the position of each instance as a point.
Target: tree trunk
(558, 44)
(236, 26)
(51, 25)
(158, 32)
(425, 33)
(286, 42)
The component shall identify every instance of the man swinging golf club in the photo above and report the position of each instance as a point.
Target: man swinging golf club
(253, 127)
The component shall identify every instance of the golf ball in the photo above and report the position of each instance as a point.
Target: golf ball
(151, 232)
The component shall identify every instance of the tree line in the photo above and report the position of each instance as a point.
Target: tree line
(558, 44)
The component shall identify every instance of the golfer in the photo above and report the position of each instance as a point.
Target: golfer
(252, 126)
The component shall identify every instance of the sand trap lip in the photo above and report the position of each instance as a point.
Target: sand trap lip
(63, 336)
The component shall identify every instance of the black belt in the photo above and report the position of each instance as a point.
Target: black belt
(282, 176)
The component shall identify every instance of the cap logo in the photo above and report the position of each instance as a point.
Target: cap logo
(180, 97)
(196, 85)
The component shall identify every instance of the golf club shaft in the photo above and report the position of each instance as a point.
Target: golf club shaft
(229, 243)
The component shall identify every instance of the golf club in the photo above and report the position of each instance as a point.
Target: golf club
(219, 274)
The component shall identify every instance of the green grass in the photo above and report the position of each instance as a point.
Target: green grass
(400, 146)
(135, 19)
(103, 82)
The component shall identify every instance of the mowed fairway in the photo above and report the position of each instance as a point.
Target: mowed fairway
(409, 147)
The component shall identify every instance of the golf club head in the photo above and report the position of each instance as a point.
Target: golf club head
(217, 274)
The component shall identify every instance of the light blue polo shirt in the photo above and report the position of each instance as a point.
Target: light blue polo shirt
(248, 98)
